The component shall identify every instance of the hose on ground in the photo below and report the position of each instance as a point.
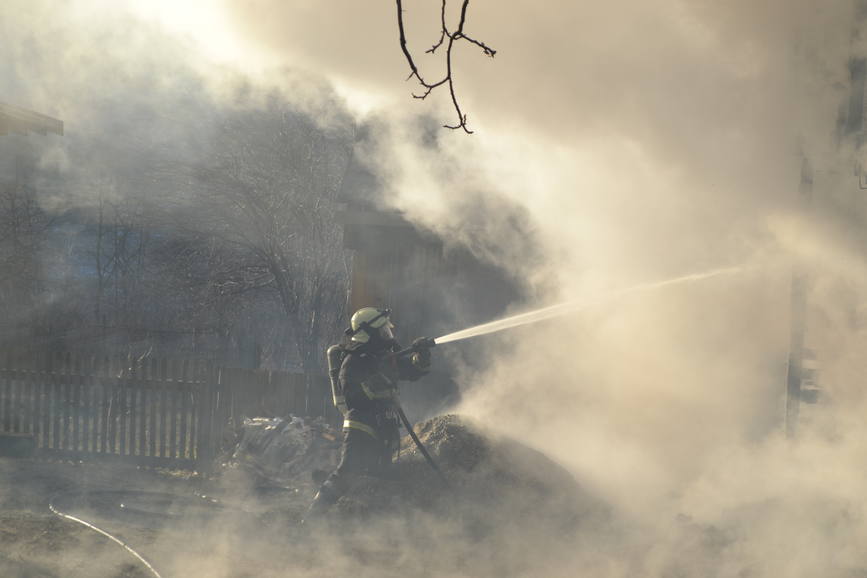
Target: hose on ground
(102, 532)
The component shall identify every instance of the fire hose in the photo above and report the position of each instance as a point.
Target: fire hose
(102, 532)
(422, 343)
(419, 445)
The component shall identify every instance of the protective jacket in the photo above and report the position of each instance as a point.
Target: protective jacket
(369, 379)
(369, 383)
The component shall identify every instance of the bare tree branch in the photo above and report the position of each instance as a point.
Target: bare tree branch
(433, 49)
(458, 34)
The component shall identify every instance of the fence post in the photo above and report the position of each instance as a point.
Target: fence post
(207, 430)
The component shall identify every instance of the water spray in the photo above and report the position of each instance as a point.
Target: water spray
(534, 317)
(570, 307)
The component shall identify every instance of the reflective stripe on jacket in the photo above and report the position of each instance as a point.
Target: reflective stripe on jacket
(360, 426)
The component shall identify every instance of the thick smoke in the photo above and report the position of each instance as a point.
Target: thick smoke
(635, 142)
(644, 141)
(153, 127)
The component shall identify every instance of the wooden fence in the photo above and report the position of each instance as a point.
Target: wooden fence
(154, 412)
(259, 392)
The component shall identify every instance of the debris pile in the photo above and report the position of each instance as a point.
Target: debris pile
(492, 480)
(285, 451)
(504, 510)
(507, 510)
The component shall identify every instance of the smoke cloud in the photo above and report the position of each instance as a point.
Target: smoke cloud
(617, 143)
(638, 142)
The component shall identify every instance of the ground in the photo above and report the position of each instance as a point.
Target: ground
(34, 542)
(37, 543)
(504, 510)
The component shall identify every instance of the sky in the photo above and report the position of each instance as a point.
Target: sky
(639, 142)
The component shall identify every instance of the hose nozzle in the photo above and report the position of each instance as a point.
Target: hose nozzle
(420, 344)
(424, 343)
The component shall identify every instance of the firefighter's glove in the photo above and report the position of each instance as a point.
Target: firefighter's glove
(421, 357)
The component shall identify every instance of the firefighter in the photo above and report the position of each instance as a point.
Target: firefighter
(366, 388)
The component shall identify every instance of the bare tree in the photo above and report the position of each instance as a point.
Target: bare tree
(447, 38)
(270, 190)
(120, 260)
(22, 235)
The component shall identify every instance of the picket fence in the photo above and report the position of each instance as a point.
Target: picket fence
(157, 412)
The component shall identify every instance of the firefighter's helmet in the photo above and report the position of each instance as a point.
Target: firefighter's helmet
(371, 323)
